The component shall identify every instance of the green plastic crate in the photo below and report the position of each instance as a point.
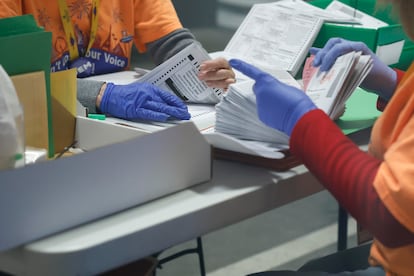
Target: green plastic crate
(406, 58)
(373, 38)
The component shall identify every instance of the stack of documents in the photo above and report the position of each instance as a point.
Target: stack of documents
(364, 20)
(279, 34)
(330, 90)
(236, 114)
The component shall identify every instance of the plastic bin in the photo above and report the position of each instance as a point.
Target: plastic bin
(385, 41)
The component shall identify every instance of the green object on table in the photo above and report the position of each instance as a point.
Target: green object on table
(371, 37)
(25, 47)
(360, 112)
(97, 116)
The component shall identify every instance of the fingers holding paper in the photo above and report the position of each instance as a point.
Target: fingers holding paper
(334, 48)
(217, 73)
(381, 79)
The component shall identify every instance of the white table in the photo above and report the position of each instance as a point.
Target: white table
(236, 192)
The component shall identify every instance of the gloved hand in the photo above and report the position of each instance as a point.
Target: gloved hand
(381, 80)
(142, 101)
(279, 105)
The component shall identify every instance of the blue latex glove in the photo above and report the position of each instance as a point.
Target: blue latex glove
(279, 105)
(381, 80)
(142, 101)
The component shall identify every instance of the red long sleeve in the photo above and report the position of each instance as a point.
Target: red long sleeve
(348, 173)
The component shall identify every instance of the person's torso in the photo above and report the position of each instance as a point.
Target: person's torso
(104, 45)
(392, 141)
(108, 51)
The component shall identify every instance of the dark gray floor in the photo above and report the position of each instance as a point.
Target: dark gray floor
(284, 238)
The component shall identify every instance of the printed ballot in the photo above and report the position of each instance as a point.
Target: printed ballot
(279, 34)
(179, 76)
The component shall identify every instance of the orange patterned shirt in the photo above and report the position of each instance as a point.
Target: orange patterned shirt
(120, 23)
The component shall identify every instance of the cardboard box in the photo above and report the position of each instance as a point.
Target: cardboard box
(387, 42)
(63, 88)
(31, 90)
(47, 197)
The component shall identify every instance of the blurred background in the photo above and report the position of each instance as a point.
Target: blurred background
(213, 22)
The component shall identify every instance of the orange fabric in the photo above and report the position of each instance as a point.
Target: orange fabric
(120, 23)
(392, 141)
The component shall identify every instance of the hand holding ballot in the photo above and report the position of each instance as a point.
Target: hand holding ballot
(381, 80)
(141, 101)
(217, 73)
(279, 105)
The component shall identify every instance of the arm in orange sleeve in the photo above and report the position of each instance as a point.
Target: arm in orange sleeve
(153, 20)
(9, 8)
(348, 173)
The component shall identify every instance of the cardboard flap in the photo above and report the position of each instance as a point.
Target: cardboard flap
(31, 90)
(63, 90)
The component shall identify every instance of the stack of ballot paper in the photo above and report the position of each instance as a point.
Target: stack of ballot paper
(236, 114)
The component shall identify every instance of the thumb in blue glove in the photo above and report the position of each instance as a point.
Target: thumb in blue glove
(381, 80)
(142, 101)
(279, 105)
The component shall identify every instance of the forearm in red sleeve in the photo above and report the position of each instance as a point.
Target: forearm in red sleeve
(348, 173)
